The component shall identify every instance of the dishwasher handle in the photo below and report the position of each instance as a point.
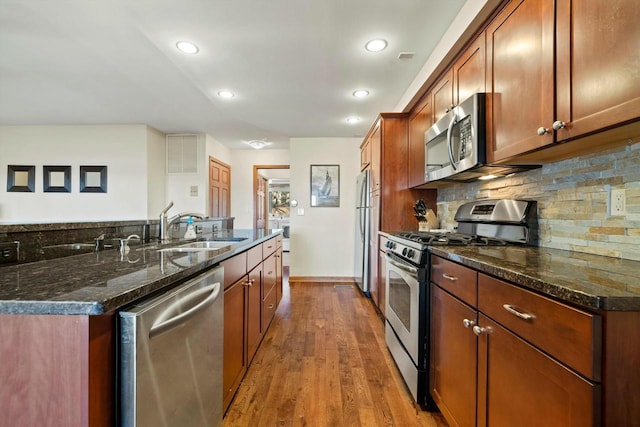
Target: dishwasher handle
(162, 324)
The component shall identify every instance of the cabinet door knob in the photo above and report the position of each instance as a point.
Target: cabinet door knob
(468, 323)
(557, 125)
(479, 330)
(542, 131)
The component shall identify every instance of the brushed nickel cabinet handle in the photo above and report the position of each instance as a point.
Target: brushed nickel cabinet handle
(449, 277)
(542, 131)
(518, 313)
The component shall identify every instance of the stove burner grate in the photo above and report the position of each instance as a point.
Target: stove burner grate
(457, 239)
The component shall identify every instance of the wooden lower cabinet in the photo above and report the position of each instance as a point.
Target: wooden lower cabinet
(57, 370)
(249, 306)
(519, 385)
(234, 361)
(454, 355)
(254, 311)
(484, 373)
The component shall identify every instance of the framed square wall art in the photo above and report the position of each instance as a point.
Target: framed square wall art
(56, 179)
(325, 186)
(21, 179)
(93, 179)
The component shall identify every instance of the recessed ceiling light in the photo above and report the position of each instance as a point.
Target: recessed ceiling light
(353, 120)
(375, 45)
(361, 93)
(187, 47)
(226, 94)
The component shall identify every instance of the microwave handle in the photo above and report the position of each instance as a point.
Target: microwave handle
(452, 123)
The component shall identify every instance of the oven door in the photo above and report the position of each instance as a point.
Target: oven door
(402, 305)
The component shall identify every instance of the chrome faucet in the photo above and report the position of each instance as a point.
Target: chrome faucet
(166, 222)
(162, 235)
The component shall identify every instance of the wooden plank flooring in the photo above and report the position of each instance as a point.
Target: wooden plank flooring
(324, 362)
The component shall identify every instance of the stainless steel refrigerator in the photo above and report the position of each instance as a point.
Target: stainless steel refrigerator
(363, 217)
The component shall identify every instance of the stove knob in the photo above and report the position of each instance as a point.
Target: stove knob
(388, 244)
(392, 245)
(410, 253)
(404, 251)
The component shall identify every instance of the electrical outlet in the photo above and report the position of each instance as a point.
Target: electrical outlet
(618, 202)
(9, 252)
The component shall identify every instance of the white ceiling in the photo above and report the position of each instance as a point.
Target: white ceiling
(293, 64)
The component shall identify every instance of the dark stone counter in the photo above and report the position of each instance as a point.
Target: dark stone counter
(99, 282)
(591, 281)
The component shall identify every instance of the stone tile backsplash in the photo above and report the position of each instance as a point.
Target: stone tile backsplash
(573, 199)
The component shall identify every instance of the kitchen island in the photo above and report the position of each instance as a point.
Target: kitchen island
(519, 332)
(58, 325)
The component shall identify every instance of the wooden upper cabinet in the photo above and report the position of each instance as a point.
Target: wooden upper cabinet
(598, 65)
(520, 78)
(375, 143)
(597, 83)
(419, 122)
(469, 74)
(443, 96)
(365, 154)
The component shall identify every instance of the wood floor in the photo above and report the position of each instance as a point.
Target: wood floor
(324, 362)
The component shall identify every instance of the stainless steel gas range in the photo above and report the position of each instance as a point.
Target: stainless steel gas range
(485, 222)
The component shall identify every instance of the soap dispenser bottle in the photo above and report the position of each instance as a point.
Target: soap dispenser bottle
(191, 232)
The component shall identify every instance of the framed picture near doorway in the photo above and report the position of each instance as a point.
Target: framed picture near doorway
(325, 186)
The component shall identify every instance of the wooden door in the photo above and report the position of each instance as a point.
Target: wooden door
(598, 58)
(520, 78)
(521, 386)
(254, 306)
(442, 96)
(452, 379)
(219, 188)
(234, 362)
(469, 71)
(419, 122)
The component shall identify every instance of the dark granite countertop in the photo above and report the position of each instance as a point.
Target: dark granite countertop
(99, 282)
(590, 281)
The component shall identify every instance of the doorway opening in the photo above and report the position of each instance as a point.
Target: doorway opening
(271, 200)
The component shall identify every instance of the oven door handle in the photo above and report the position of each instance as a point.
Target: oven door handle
(408, 268)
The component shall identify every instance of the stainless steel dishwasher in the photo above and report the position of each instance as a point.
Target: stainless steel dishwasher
(171, 356)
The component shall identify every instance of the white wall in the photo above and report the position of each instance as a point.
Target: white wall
(322, 240)
(155, 167)
(242, 162)
(123, 149)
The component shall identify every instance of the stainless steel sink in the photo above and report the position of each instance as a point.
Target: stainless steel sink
(198, 246)
(223, 239)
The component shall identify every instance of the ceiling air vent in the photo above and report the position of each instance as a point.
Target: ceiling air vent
(406, 55)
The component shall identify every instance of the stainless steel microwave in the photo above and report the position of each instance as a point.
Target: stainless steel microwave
(456, 143)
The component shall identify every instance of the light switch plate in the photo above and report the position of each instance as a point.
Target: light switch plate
(300, 211)
(194, 191)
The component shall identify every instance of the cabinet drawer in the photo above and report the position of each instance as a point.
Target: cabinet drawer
(269, 275)
(268, 309)
(234, 269)
(254, 257)
(268, 247)
(456, 279)
(570, 335)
